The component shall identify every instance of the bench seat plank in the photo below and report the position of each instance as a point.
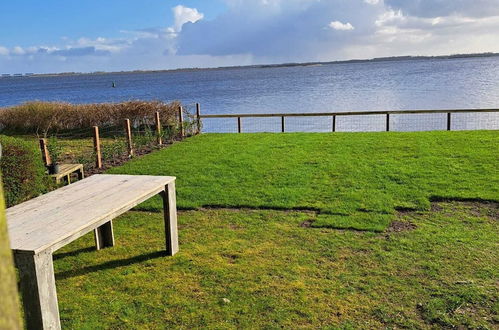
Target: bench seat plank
(65, 171)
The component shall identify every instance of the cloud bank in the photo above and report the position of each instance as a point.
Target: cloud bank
(274, 31)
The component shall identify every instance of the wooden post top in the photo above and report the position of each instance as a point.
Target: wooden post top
(53, 220)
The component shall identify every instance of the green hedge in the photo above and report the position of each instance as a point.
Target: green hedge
(22, 169)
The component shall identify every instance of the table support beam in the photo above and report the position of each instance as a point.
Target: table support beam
(37, 284)
(170, 215)
(104, 236)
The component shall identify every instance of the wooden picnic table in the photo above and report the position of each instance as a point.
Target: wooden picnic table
(45, 224)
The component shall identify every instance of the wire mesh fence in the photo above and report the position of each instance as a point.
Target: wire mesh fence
(354, 122)
(109, 145)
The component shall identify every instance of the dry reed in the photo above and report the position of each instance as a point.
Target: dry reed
(44, 118)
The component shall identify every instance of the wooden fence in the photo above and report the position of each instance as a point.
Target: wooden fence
(334, 115)
(129, 137)
(198, 117)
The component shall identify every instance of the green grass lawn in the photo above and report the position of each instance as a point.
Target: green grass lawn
(352, 180)
(263, 269)
(333, 231)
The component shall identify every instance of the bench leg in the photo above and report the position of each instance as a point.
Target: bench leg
(37, 284)
(104, 236)
(170, 215)
(81, 175)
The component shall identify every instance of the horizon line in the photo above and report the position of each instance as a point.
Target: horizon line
(276, 65)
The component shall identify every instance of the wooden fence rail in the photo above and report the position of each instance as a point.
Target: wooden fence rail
(334, 115)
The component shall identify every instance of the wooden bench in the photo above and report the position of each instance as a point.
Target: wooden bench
(65, 171)
(45, 224)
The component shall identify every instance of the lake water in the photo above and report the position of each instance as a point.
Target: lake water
(400, 85)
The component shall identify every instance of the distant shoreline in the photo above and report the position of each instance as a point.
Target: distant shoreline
(262, 66)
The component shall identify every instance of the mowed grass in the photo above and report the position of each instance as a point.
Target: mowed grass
(302, 231)
(352, 180)
(250, 269)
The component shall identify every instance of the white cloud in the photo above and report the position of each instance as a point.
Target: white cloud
(17, 50)
(274, 31)
(183, 15)
(337, 25)
(436, 8)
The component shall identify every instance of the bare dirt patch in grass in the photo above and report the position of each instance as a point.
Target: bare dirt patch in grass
(307, 223)
(400, 226)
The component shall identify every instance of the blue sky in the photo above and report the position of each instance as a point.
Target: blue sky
(115, 35)
(31, 22)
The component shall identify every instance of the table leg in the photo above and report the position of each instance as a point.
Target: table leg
(37, 283)
(170, 215)
(104, 236)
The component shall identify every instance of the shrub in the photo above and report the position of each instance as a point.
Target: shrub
(54, 149)
(22, 170)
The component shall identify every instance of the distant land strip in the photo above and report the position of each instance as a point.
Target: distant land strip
(264, 66)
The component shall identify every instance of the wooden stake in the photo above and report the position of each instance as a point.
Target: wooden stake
(181, 121)
(128, 131)
(98, 155)
(45, 153)
(334, 123)
(449, 121)
(282, 124)
(239, 126)
(198, 116)
(388, 122)
(158, 128)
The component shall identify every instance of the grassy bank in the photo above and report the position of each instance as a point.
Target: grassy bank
(353, 181)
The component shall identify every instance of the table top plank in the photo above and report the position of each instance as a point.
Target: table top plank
(67, 213)
(57, 198)
(62, 220)
(80, 193)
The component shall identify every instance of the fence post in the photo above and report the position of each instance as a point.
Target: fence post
(388, 122)
(181, 121)
(198, 117)
(334, 123)
(158, 129)
(98, 155)
(449, 122)
(45, 153)
(128, 131)
(282, 124)
(239, 130)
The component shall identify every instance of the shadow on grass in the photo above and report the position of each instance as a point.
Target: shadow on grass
(72, 253)
(111, 264)
(437, 199)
